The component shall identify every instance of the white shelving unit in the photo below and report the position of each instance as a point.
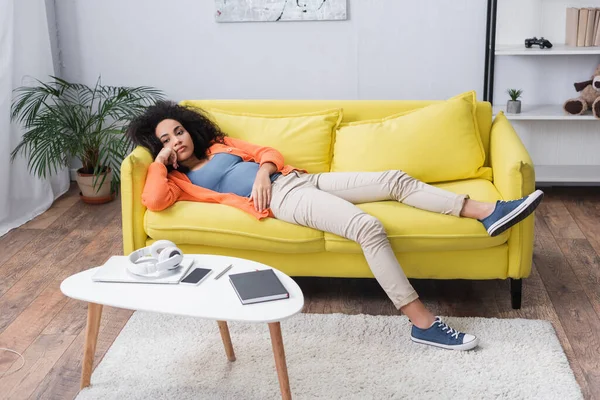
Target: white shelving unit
(556, 50)
(544, 112)
(565, 148)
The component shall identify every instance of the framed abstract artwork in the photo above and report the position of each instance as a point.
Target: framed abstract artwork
(279, 10)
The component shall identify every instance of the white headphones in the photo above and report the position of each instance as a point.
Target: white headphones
(162, 255)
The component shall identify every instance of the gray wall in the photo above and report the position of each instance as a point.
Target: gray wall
(387, 49)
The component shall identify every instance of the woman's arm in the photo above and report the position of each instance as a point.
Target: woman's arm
(261, 189)
(159, 192)
(261, 154)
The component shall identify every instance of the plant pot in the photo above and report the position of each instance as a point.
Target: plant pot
(94, 195)
(513, 107)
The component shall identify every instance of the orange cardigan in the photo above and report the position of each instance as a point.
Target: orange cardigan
(163, 189)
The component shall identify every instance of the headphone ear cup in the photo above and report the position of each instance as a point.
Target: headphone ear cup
(170, 257)
(157, 247)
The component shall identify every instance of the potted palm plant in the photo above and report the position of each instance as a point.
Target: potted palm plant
(66, 120)
(513, 105)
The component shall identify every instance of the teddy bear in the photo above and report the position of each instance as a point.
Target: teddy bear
(589, 98)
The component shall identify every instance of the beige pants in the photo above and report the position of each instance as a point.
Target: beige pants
(326, 202)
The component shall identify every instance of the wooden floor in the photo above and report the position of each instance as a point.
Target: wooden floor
(47, 327)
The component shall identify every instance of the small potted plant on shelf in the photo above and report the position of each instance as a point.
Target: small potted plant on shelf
(514, 104)
(66, 120)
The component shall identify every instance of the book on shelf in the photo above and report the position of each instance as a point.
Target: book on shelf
(597, 29)
(589, 33)
(572, 26)
(258, 286)
(582, 27)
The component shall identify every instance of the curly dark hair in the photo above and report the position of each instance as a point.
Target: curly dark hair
(204, 132)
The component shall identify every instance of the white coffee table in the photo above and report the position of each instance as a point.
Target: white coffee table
(212, 299)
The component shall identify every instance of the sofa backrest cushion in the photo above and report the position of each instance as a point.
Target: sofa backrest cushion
(305, 140)
(437, 143)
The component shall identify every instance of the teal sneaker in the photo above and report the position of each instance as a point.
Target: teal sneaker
(509, 213)
(439, 334)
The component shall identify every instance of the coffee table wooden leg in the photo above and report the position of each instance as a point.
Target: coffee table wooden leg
(224, 329)
(282, 374)
(91, 337)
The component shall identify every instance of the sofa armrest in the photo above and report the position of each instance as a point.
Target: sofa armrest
(514, 175)
(134, 169)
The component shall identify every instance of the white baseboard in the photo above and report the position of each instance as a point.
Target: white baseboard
(568, 174)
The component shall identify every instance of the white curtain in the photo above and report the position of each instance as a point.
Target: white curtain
(25, 53)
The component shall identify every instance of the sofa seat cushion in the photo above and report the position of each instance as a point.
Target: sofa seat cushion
(410, 229)
(220, 225)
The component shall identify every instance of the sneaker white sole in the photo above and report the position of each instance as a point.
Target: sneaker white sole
(518, 214)
(465, 346)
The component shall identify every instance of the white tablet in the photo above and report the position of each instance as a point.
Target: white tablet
(115, 270)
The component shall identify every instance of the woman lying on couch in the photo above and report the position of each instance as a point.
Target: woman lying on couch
(195, 161)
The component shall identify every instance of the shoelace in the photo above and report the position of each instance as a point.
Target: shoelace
(445, 327)
(512, 201)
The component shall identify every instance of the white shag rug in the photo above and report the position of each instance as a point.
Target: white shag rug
(331, 356)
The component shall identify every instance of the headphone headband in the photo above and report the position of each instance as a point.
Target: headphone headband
(139, 253)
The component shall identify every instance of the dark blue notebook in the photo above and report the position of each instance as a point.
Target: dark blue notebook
(258, 286)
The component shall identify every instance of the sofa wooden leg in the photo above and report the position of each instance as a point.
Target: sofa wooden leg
(516, 288)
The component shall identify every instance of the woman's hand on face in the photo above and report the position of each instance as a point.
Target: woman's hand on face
(261, 191)
(167, 156)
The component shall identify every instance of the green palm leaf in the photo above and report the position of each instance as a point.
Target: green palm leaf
(65, 120)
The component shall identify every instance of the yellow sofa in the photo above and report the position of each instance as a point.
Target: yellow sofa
(428, 245)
